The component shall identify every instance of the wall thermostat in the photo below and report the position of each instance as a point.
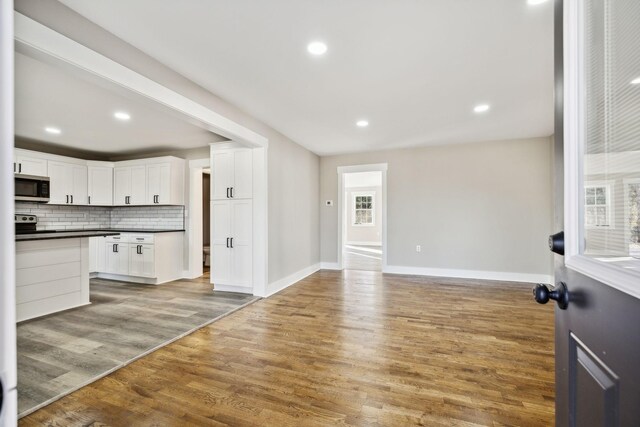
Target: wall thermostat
(329, 203)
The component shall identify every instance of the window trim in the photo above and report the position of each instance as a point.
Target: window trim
(611, 206)
(371, 194)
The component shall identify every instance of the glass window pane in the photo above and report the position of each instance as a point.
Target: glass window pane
(612, 135)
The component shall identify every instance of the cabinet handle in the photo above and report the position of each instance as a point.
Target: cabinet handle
(14, 167)
(232, 243)
(89, 200)
(139, 249)
(67, 198)
(72, 199)
(232, 192)
(227, 242)
(227, 192)
(19, 167)
(115, 247)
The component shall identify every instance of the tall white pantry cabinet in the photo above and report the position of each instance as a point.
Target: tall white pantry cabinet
(232, 219)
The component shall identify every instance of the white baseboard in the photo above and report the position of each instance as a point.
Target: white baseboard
(364, 243)
(232, 288)
(470, 274)
(285, 282)
(329, 266)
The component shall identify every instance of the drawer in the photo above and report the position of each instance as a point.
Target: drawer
(122, 238)
(141, 238)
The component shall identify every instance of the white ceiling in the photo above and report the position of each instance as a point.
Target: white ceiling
(413, 69)
(363, 179)
(83, 111)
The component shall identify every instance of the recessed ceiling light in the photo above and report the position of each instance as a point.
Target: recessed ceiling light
(481, 108)
(121, 115)
(362, 123)
(536, 2)
(635, 81)
(52, 130)
(317, 48)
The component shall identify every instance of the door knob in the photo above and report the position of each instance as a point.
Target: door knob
(559, 294)
(556, 243)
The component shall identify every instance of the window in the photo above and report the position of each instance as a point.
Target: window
(632, 216)
(598, 205)
(363, 209)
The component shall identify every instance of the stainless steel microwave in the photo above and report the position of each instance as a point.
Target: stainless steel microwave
(30, 188)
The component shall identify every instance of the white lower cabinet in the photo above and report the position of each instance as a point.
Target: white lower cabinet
(117, 258)
(152, 258)
(142, 260)
(231, 245)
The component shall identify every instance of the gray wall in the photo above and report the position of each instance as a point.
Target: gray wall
(293, 171)
(368, 234)
(483, 206)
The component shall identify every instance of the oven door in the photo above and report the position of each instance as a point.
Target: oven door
(30, 188)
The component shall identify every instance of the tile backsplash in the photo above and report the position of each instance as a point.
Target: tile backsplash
(62, 217)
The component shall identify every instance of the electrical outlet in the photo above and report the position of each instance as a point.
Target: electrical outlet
(418, 248)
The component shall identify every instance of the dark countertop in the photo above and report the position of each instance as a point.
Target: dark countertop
(64, 235)
(70, 234)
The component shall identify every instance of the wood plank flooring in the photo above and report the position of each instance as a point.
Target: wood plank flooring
(60, 352)
(368, 258)
(346, 348)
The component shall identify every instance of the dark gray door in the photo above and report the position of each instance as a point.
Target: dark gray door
(598, 332)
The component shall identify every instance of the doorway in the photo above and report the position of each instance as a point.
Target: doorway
(206, 222)
(362, 228)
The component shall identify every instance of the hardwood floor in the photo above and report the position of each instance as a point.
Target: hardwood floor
(368, 258)
(343, 348)
(63, 351)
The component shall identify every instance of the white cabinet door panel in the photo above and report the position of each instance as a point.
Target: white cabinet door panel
(117, 258)
(31, 166)
(78, 184)
(141, 260)
(138, 185)
(219, 242)
(241, 230)
(59, 183)
(100, 185)
(221, 174)
(242, 174)
(122, 185)
(159, 184)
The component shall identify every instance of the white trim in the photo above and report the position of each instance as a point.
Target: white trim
(364, 243)
(382, 167)
(193, 241)
(342, 211)
(43, 43)
(624, 280)
(329, 266)
(230, 288)
(291, 279)
(470, 274)
(8, 366)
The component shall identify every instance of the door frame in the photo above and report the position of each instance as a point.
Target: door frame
(8, 353)
(574, 136)
(194, 219)
(342, 207)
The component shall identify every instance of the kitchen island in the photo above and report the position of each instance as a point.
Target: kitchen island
(52, 271)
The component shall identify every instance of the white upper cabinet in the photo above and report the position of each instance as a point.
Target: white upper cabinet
(153, 181)
(158, 181)
(130, 185)
(165, 182)
(29, 165)
(100, 184)
(68, 183)
(232, 174)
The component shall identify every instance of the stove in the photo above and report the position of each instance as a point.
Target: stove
(25, 223)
